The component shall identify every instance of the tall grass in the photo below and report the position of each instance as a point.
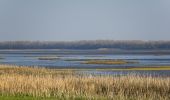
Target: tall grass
(42, 82)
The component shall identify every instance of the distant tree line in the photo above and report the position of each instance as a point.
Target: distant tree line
(95, 44)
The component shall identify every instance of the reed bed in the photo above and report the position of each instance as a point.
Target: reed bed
(108, 62)
(48, 58)
(66, 84)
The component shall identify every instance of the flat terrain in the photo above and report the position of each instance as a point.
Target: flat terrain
(87, 59)
(34, 83)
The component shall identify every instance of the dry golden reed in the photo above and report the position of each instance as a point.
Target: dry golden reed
(42, 82)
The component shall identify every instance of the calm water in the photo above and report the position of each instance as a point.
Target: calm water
(74, 59)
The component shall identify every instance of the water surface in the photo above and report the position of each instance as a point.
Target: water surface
(74, 59)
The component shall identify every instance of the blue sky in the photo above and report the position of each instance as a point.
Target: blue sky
(67, 20)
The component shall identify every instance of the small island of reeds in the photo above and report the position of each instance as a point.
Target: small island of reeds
(108, 62)
(48, 58)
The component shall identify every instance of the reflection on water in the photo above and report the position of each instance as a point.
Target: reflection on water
(74, 60)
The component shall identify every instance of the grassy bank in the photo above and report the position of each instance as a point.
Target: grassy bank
(51, 84)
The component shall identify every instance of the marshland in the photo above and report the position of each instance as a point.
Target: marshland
(46, 74)
(84, 49)
(58, 84)
(89, 74)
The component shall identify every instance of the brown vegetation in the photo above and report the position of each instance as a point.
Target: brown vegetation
(42, 82)
(48, 58)
(108, 62)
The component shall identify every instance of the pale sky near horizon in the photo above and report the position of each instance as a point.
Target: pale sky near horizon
(67, 20)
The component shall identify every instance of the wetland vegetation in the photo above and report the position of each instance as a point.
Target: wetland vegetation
(48, 58)
(83, 74)
(50, 84)
(108, 62)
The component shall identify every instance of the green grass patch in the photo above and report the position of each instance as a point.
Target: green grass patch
(63, 97)
(29, 98)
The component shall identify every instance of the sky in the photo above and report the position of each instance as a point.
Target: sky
(70, 20)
